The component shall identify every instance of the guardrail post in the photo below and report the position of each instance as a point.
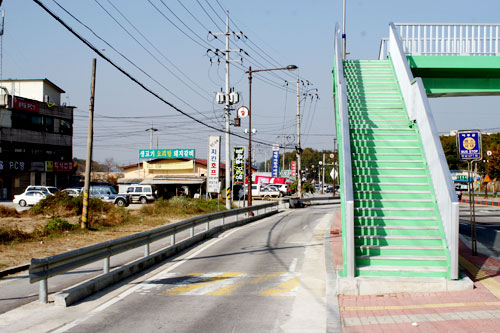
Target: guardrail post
(223, 220)
(146, 250)
(106, 265)
(43, 294)
(172, 239)
(207, 226)
(191, 232)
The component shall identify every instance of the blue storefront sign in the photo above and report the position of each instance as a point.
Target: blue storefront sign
(469, 145)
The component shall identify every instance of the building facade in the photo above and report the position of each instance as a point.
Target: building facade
(36, 136)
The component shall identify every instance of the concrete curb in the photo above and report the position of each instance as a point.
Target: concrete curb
(13, 270)
(80, 291)
(482, 202)
(333, 323)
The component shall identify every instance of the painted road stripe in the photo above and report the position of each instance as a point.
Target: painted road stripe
(200, 281)
(286, 288)
(420, 318)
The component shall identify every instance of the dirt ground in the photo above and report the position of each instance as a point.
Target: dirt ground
(19, 254)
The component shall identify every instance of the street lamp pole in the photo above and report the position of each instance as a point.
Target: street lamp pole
(299, 150)
(249, 72)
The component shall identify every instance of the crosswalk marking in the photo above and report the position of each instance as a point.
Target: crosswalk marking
(226, 283)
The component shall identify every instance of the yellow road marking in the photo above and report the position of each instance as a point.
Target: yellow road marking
(420, 306)
(485, 279)
(282, 288)
(205, 282)
(226, 290)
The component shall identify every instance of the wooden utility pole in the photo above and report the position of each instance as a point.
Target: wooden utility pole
(88, 162)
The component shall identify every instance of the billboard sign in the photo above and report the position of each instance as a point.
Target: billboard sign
(239, 165)
(276, 161)
(213, 185)
(469, 145)
(166, 153)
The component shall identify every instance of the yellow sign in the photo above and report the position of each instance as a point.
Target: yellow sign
(469, 143)
(487, 179)
(182, 165)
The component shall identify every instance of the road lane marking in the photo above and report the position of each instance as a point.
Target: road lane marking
(284, 289)
(200, 282)
(293, 265)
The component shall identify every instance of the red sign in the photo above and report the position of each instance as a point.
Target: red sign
(270, 180)
(23, 104)
(294, 169)
(63, 166)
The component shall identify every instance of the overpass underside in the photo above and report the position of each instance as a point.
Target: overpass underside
(457, 75)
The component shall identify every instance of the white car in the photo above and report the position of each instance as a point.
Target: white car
(29, 198)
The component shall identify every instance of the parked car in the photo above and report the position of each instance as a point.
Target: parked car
(45, 189)
(329, 189)
(108, 193)
(73, 191)
(29, 198)
(458, 191)
(141, 193)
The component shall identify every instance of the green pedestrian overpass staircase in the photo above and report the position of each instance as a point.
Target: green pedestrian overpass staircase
(399, 207)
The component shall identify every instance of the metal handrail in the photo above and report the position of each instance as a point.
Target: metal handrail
(450, 38)
(347, 197)
(419, 111)
(44, 268)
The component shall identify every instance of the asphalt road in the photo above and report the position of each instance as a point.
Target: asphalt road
(487, 228)
(268, 276)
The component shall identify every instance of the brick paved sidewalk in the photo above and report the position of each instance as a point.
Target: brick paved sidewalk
(476, 310)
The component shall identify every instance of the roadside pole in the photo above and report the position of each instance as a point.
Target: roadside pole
(88, 162)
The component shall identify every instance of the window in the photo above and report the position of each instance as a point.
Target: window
(138, 189)
(49, 124)
(65, 127)
(20, 120)
(37, 123)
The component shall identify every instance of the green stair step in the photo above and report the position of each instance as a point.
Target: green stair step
(375, 157)
(402, 195)
(398, 221)
(375, 250)
(396, 230)
(393, 203)
(397, 240)
(400, 261)
(394, 211)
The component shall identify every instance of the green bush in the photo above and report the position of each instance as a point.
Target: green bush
(58, 224)
(11, 235)
(61, 204)
(181, 206)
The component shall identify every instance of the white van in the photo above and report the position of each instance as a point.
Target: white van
(140, 193)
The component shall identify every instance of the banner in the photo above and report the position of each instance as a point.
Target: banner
(213, 164)
(294, 169)
(276, 161)
(239, 165)
(269, 180)
(183, 165)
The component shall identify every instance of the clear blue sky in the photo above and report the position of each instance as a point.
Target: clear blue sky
(279, 33)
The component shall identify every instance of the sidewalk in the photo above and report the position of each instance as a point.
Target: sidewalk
(476, 310)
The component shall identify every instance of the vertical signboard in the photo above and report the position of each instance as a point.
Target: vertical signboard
(213, 164)
(294, 169)
(239, 165)
(469, 145)
(276, 161)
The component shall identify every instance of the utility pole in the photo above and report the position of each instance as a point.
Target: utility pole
(228, 99)
(88, 161)
(151, 129)
(323, 182)
(299, 150)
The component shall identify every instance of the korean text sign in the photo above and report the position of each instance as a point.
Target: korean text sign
(239, 165)
(276, 161)
(166, 153)
(213, 164)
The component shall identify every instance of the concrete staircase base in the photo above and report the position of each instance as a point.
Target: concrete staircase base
(389, 285)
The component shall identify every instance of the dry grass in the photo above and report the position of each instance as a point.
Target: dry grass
(114, 223)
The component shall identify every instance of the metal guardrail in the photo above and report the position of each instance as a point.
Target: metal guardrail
(347, 197)
(419, 111)
(469, 39)
(42, 269)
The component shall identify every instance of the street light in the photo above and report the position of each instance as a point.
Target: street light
(249, 72)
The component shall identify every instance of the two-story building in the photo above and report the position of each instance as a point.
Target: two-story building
(36, 136)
